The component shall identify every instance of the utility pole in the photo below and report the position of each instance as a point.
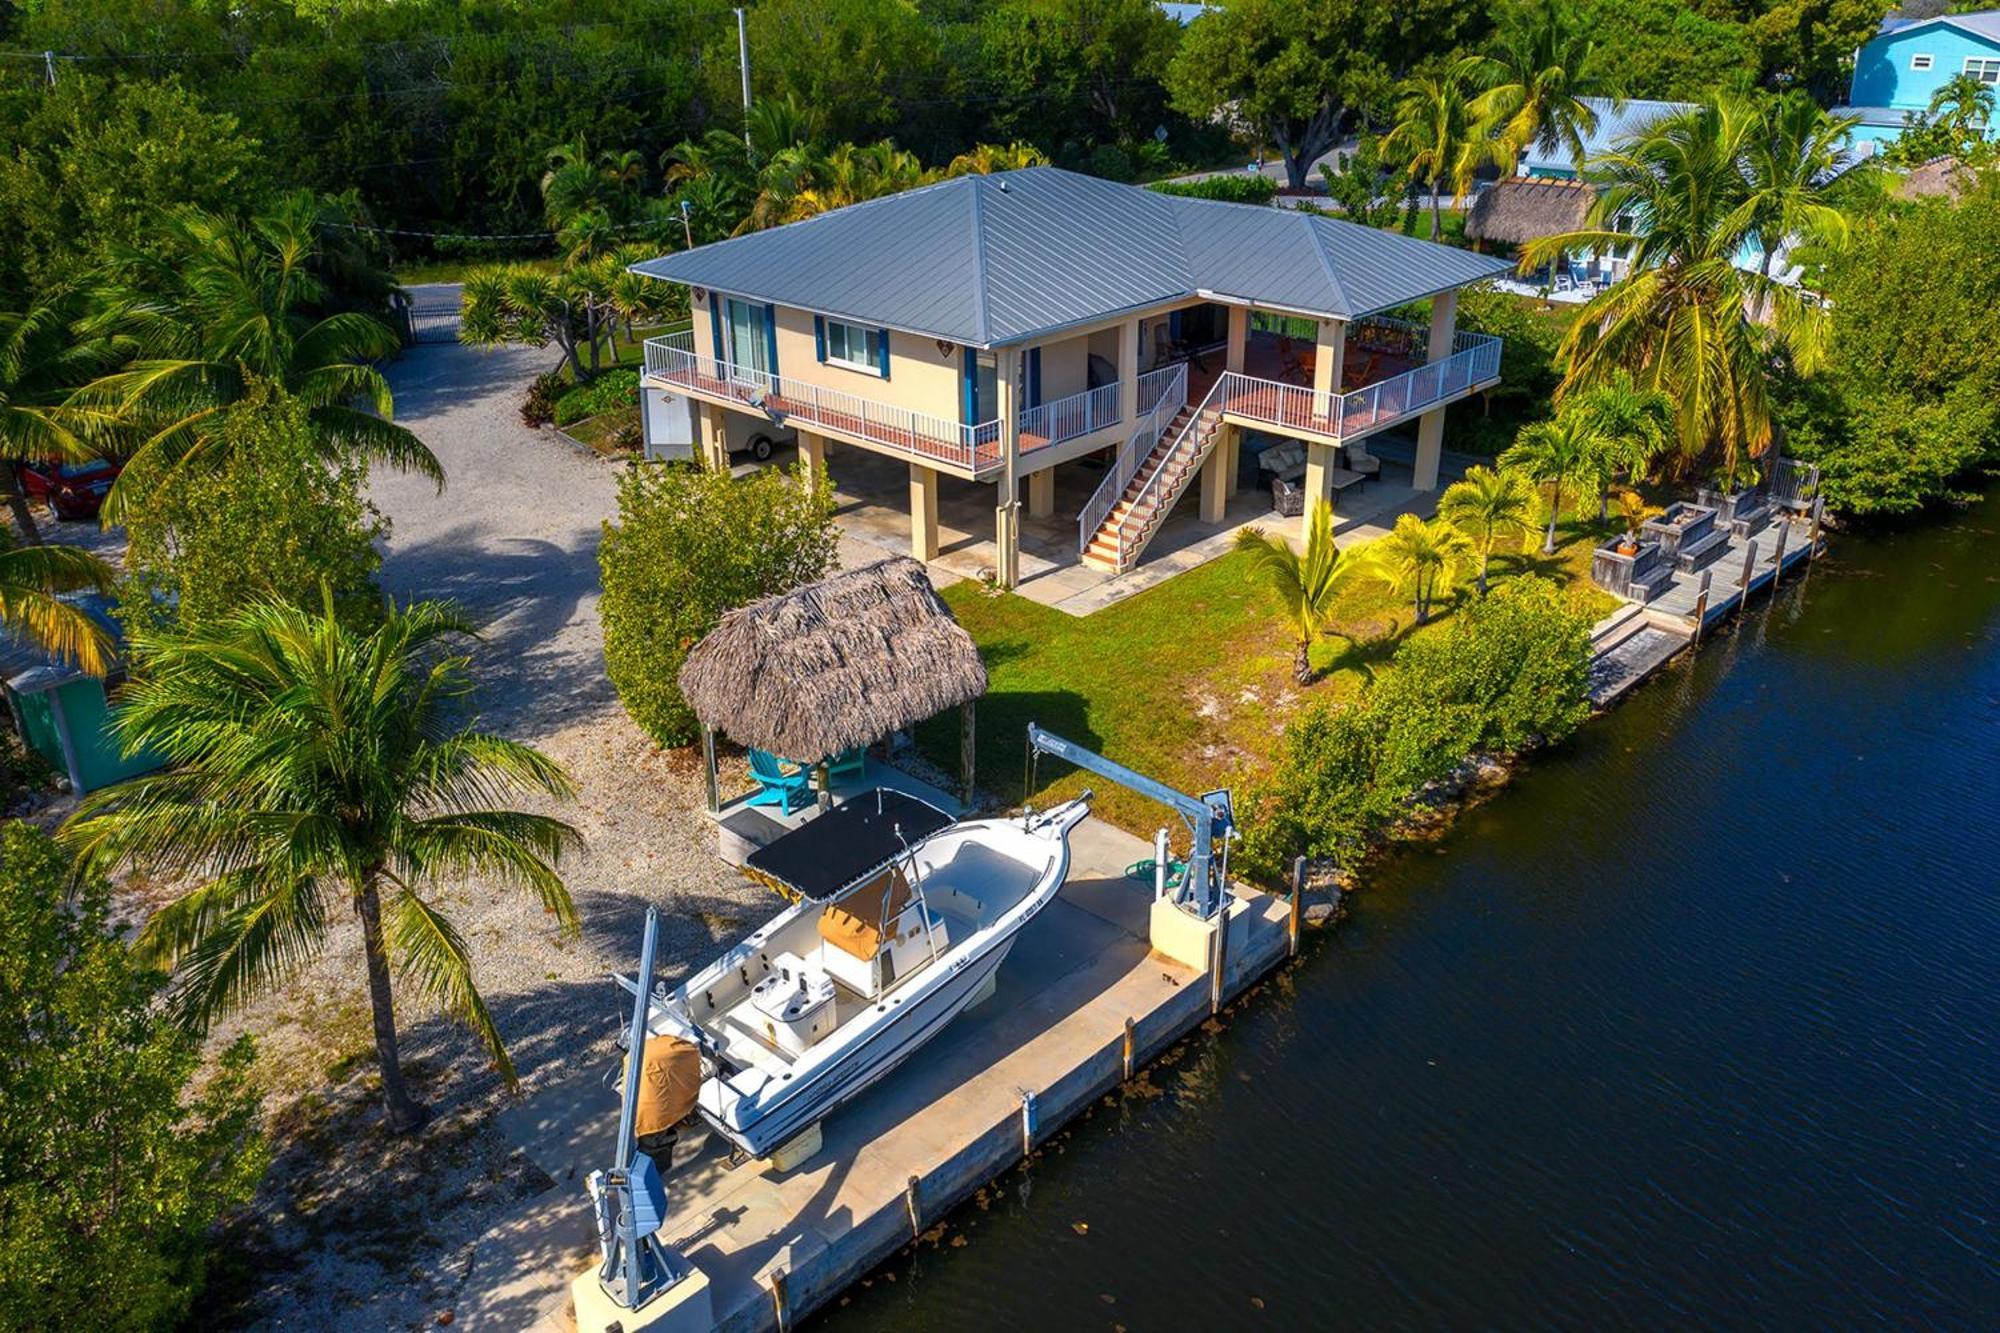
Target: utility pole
(742, 59)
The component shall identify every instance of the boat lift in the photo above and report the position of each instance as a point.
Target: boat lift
(1209, 817)
(629, 1200)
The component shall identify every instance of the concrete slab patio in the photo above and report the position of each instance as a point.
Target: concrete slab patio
(951, 1116)
(872, 491)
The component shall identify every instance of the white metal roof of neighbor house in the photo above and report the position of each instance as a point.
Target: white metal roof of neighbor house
(991, 260)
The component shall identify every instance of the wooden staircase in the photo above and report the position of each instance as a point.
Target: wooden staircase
(1162, 477)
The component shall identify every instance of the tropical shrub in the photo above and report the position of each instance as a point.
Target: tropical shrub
(1232, 188)
(688, 545)
(613, 389)
(274, 519)
(1909, 405)
(113, 1166)
(1510, 669)
(539, 407)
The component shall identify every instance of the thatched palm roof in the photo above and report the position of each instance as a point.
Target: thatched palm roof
(1523, 209)
(1939, 178)
(833, 665)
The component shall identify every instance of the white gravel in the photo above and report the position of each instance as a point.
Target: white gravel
(354, 1230)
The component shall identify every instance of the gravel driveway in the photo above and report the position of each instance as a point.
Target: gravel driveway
(355, 1230)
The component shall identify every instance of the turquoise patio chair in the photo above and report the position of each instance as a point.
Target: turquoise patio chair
(775, 786)
(847, 764)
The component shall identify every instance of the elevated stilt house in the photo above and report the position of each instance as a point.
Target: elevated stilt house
(1044, 332)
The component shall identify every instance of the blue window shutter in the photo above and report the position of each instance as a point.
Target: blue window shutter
(771, 337)
(715, 326)
(968, 383)
(1034, 377)
(819, 335)
(1174, 326)
(882, 353)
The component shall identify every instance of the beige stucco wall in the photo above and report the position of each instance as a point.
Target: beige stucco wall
(1064, 368)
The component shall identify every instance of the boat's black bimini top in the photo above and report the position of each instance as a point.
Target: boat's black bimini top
(848, 844)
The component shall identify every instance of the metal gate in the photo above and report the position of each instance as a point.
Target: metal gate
(432, 319)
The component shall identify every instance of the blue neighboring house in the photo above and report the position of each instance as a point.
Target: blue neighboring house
(1907, 60)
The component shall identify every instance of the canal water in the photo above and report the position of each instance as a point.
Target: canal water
(1697, 1023)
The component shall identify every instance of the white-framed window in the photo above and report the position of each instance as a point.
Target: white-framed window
(1984, 68)
(1920, 62)
(854, 346)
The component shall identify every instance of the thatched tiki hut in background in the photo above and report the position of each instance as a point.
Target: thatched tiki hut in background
(1522, 209)
(834, 666)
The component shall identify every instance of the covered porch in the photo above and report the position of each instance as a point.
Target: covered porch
(871, 493)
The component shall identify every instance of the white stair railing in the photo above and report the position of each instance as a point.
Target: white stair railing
(1167, 390)
(1131, 529)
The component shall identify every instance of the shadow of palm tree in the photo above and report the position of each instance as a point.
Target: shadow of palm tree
(1364, 652)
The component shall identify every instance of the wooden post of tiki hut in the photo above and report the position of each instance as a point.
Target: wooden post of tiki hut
(815, 676)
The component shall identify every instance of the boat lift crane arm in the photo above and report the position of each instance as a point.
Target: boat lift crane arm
(1208, 816)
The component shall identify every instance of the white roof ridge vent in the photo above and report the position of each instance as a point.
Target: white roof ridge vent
(1002, 183)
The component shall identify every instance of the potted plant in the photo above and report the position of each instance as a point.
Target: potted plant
(1631, 508)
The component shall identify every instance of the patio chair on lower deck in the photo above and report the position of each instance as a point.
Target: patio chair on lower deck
(847, 764)
(776, 785)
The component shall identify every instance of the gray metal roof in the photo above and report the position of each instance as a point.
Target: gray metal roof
(1983, 23)
(990, 260)
(29, 668)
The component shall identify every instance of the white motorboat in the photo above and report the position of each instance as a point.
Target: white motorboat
(844, 985)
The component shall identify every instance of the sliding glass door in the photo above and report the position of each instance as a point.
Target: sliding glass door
(749, 333)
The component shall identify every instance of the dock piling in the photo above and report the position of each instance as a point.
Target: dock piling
(1220, 954)
(1749, 563)
(1778, 557)
(1027, 1123)
(780, 1307)
(910, 1202)
(1131, 1047)
(1297, 906)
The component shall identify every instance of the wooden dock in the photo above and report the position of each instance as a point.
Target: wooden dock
(1641, 637)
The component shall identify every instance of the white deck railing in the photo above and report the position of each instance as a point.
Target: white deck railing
(1067, 418)
(1370, 407)
(1167, 390)
(939, 439)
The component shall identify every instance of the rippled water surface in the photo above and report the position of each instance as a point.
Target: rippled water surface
(1695, 1023)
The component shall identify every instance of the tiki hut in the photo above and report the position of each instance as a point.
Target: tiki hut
(1523, 209)
(1939, 178)
(834, 666)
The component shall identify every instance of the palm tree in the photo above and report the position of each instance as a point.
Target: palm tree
(1488, 505)
(1435, 137)
(32, 579)
(1963, 105)
(41, 360)
(1554, 454)
(1633, 427)
(1535, 82)
(1418, 557)
(228, 305)
(1792, 162)
(1679, 197)
(313, 763)
(985, 158)
(1304, 584)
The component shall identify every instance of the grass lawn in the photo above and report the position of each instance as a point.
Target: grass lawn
(1189, 682)
(597, 432)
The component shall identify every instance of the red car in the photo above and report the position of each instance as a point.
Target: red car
(71, 490)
